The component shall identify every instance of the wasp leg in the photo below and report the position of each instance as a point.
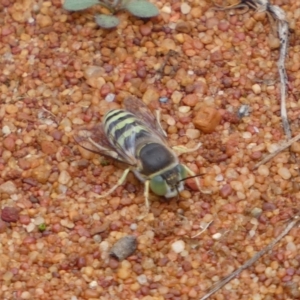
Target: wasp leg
(157, 115)
(191, 173)
(182, 149)
(120, 182)
(147, 204)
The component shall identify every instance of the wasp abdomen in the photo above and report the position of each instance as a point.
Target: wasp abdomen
(124, 130)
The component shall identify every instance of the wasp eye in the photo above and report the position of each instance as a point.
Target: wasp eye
(182, 172)
(158, 185)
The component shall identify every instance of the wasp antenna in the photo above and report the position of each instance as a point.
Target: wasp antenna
(193, 176)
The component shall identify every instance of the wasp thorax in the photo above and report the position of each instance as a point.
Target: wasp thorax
(155, 157)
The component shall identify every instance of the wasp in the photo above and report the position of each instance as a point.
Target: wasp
(135, 137)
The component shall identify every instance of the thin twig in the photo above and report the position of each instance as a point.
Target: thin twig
(280, 149)
(252, 260)
(203, 229)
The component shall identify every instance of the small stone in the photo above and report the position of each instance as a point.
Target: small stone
(184, 109)
(178, 246)
(192, 133)
(216, 56)
(256, 89)
(295, 147)
(43, 21)
(39, 220)
(142, 279)
(190, 100)
(150, 95)
(11, 109)
(176, 97)
(30, 227)
(256, 212)
(217, 236)
(67, 223)
(168, 44)
(26, 295)
(263, 170)
(124, 270)
(110, 97)
(48, 147)
(124, 247)
(166, 9)
(3, 226)
(207, 119)
(183, 27)
(185, 8)
(7, 276)
(64, 177)
(6, 130)
(291, 247)
(274, 42)
(9, 143)
(10, 214)
(41, 173)
(284, 173)
(226, 191)
(8, 187)
(145, 30)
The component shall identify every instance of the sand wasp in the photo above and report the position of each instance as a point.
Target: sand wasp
(134, 136)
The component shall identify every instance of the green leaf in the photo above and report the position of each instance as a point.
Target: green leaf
(42, 227)
(142, 9)
(107, 21)
(75, 5)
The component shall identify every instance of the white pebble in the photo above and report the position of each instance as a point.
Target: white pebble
(142, 279)
(171, 121)
(93, 284)
(74, 298)
(252, 233)
(104, 246)
(30, 227)
(256, 89)
(247, 135)
(6, 130)
(178, 246)
(96, 217)
(39, 220)
(192, 133)
(284, 173)
(219, 178)
(133, 226)
(166, 9)
(110, 97)
(217, 236)
(185, 8)
(184, 109)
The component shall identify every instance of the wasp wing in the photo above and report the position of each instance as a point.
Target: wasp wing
(142, 112)
(95, 140)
